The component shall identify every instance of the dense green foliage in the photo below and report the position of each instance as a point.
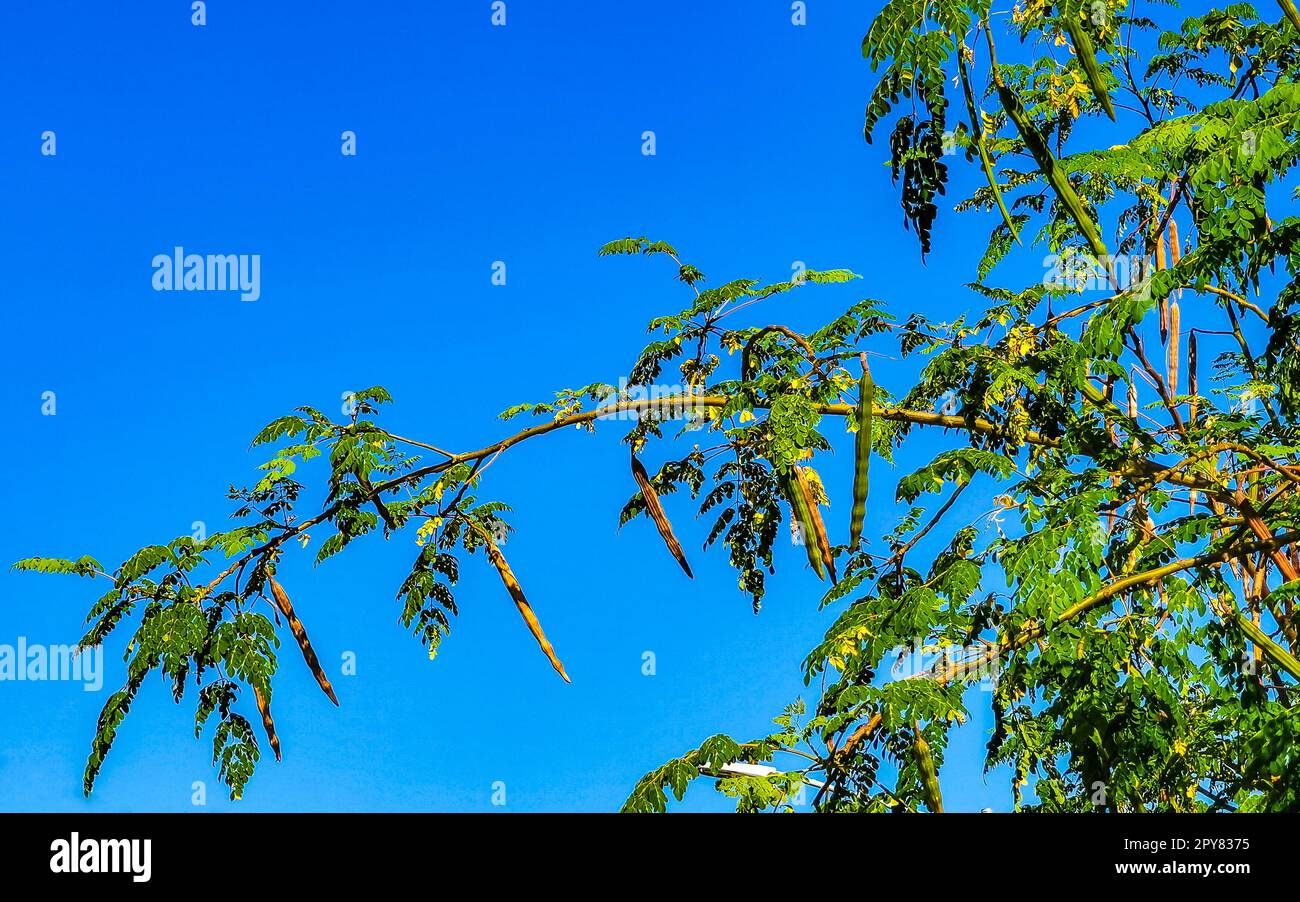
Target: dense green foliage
(1133, 612)
(1133, 617)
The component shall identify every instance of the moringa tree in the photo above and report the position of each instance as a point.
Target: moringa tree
(1131, 417)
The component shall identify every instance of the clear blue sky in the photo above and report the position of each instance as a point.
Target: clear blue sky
(475, 144)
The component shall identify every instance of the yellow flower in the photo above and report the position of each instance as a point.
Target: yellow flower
(1020, 341)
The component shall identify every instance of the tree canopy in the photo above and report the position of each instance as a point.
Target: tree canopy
(1131, 417)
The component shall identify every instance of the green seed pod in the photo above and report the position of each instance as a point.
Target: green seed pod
(862, 448)
(1280, 657)
(1054, 174)
(929, 777)
(1087, 55)
(977, 135)
(794, 493)
(816, 522)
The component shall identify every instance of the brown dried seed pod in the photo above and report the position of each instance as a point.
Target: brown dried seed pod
(300, 634)
(521, 602)
(1175, 250)
(264, 706)
(1172, 358)
(656, 511)
(1160, 253)
(1164, 320)
(861, 733)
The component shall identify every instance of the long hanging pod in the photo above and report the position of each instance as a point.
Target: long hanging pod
(1172, 359)
(862, 452)
(1193, 408)
(929, 777)
(521, 602)
(977, 135)
(815, 520)
(1175, 251)
(299, 631)
(1087, 56)
(791, 485)
(264, 708)
(1163, 303)
(1037, 145)
(656, 511)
